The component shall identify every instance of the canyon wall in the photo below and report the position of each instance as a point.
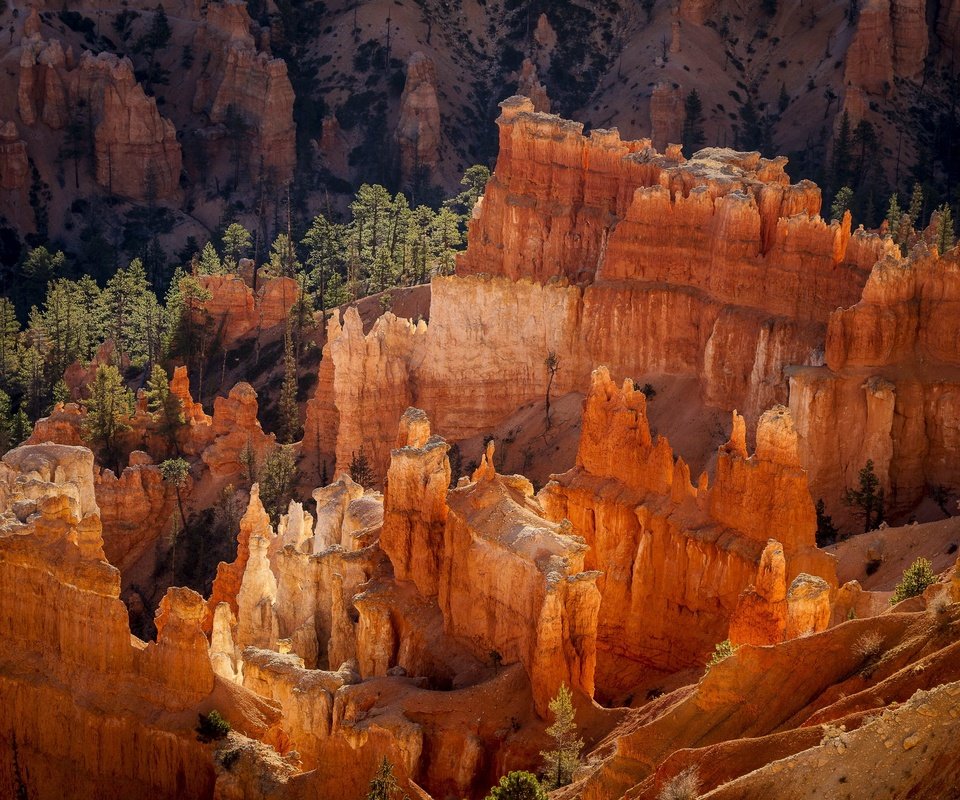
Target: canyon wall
(136, 149)
(76, 690)
(674, 556)
(603, 252)
(890, 388)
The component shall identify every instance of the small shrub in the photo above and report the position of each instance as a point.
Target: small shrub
(723, 650)
(684, 785)
(518, 786)
(648, 391)
(868, 645)
(873, 565)
(917, 577)
(212, 727)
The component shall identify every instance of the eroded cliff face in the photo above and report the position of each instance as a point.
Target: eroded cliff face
(889, 389)
(136, 149)
(584, 247)
(675, 556)
(238, 82)
(418, 128)
(66, 645)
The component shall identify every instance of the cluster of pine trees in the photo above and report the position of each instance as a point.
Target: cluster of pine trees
(51, 320)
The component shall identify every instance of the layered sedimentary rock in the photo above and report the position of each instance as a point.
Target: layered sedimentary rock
(136, 149)
(14, 167)
(530, 86)
(75, 687)
(666, 112)
(675, 556)
(696, 11)
(240, 83)
(234, 310)
(415, 504)
(135, 510)
(239, 443)
(531, 571)
(891, 40)
(890, 389)
(418, 129)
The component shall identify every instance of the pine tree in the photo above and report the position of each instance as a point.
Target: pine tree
(65, 324)
(283, 257)
(236, 244)
(916, 206)
(445, 238)
(475, 182)
(108, 412)
(289, 408)
(384, 785)
(176, 471)
(867, 499)
(894, 215)
(944, 231)
(39, 268)
(692, 135)
(21, 428)
(360, 470)
(9, 343)
(32, 378)
(917, 577)
(128, 307)
(209, 263)
(561, 762)
(166, 407)
(840, 161)
(276, 481)
(841, 203)
(323, 242)
(6, 422)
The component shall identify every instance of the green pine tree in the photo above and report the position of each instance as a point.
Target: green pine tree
(383, 785)
(289, 409)
(209, 262)
(166, 407)
(944, 231)
(841, 203)
(518, 786)
(236, 244)
(867, 498)
(108, 408)
(6, 422)
(9, 344)
(562, 761)
(692, 135)
(276, 478)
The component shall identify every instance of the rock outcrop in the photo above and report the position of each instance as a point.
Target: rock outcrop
(530, 86)
(234, 310)
(239, 442)
(14, 167)
(891, 40)
(65, 644)
(418, 129)
(238, 83)
(674, 556)
(888, 391)
(666, 114)
(136, 149)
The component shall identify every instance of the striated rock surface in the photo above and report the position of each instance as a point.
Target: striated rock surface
(888, 392)
(418, 129)
(415, 504)
(239, 80)
(14, 167)
(239, 443)
(234, 310)
(625, 224)
(73, 651)
(869, 62)
(527, 596)
(674, 556)
(530, 86)
(136, 149)
(666, 109)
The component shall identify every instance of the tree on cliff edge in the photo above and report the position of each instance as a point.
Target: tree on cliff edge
(384, 784)
(561, 762)
(518, 786)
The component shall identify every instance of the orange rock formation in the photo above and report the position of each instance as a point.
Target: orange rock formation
(418, 129)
